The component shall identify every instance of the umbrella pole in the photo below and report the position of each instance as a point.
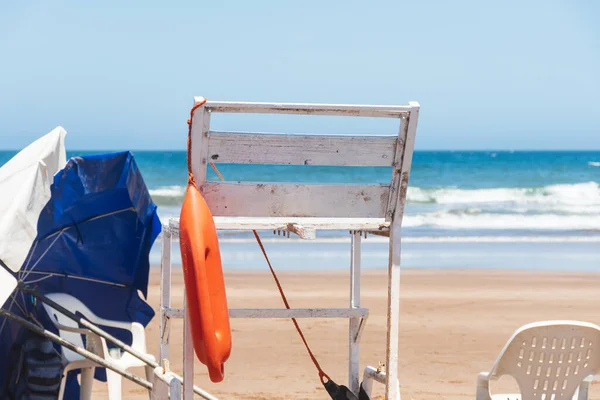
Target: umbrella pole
(93, 328)
(85, 353)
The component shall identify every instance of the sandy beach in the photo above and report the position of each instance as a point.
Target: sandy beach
(454, 323)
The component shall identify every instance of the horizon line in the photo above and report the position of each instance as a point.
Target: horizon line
(415, 150)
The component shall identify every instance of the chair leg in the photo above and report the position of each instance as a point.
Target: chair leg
(114, 381)
(87, 381)
(582, 391)
(483, 387)
(149, 378)
(63, 382)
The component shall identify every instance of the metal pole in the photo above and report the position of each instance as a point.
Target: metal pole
(165, 294)
(188, 353)
(354, 322)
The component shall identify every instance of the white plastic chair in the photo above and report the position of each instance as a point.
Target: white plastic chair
(70, 331)
(550, 360)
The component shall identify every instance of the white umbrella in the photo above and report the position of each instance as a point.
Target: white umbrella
(24, 191)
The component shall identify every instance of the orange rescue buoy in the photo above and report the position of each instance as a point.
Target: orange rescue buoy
(204, 283)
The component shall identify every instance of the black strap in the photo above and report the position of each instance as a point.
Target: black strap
(363, 395)
(338, 392)
(14, 366)
(341, 392)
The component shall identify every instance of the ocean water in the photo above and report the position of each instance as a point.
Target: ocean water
(503, 209)
(451, 193)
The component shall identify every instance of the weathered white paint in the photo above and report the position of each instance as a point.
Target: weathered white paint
(165, 293)
(371, 374)
(361, 327)
(371, 225)
(285, 313)
(200, 128)
(165, 385)
(410, 138)
(271, 148)
(396, 170)
(385, 111)
(399, 185)
(392, 388)
(354, 322)
(304, 232)
(295, 200)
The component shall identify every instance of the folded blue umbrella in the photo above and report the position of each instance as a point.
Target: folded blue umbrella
(93, 242)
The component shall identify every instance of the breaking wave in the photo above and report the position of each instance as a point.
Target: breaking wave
(489, 221)
(168, 195)
(579, 194)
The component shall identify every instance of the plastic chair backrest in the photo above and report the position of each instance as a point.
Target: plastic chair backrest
(550, 359)
(76, 306)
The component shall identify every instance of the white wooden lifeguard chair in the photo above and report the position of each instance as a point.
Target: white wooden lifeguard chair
(303, 209)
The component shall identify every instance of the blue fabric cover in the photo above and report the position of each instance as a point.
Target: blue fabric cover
(99, 225)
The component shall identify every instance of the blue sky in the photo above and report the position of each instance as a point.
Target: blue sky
(121, 75)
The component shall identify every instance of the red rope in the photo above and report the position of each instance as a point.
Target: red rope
(191, 180)
(322, 373)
